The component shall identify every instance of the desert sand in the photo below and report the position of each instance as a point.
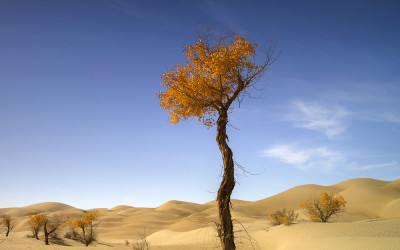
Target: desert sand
(370, 220)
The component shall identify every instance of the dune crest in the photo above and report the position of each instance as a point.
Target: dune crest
(177, 224)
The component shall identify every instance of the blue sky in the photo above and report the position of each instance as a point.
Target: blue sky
(80, 121)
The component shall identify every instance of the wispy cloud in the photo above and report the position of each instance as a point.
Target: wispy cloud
(375, 102)
(329, 120)
(383, 165)
(391, 117)
(315, 158)
(287, 155)
(320, 158)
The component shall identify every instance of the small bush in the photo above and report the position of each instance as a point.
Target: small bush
(9, 224)
(72, 233)
(283, 216)
(141, 242)
(322, 208)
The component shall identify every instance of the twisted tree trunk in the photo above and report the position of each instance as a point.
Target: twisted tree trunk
(225, 229)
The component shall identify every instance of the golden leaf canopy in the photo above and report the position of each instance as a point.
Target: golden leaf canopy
(209, 79)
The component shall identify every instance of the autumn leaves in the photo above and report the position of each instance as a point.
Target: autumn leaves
(208, 79)
(51, 223)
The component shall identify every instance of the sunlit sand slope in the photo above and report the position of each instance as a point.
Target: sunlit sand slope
(370, 220)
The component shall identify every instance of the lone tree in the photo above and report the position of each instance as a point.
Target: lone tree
(9, 223)
(219, 71)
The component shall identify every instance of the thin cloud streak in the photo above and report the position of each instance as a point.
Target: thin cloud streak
(392, 118)
(315, 158)
(329, 120)
(321, 158)
(382, 165)
(378, 101)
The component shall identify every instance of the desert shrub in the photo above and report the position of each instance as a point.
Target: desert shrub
(322, 208)
(9, 224)
(87, 225)
(36, 222)
(283, 216)
(72, 233)
(141, 242)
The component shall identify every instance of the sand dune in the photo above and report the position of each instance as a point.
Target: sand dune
(370, 221)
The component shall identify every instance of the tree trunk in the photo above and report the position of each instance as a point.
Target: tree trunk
(46, 234)
(225, 230)
(8, 231)
(36, 232)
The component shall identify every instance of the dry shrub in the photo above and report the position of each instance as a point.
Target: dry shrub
(86, 224)
(141, 242)
(9, 223)
(322, 208)
(283, 216)
(72, 233)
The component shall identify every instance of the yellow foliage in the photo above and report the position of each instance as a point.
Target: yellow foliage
(79, 223)
(6, 221)
(283, 216)
(70, 223)
(84, 223)
(89, 218)
(319, 210)
(86, 220)
(36, 221)
(208, 79)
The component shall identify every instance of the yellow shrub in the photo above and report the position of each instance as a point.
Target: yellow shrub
(36, 222)
(283, 216)
(86, 224)
(320, 210)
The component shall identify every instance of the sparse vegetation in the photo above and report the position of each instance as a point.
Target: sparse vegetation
(87, 224)
(72, 233)
(50, 225)
(283, 216)
(322, 208)
(36, 222)
(8, 222)
(141, 242)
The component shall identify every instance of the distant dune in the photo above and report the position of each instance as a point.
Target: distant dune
(371, 220)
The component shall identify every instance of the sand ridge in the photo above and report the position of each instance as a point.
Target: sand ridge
(372, 216)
